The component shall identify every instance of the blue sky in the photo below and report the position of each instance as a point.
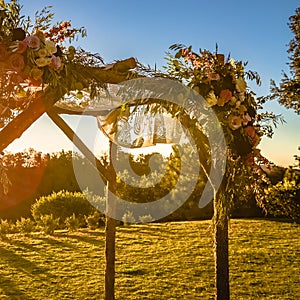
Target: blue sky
(255, 31)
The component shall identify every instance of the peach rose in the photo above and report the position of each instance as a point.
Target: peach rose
(224, 97)
(16, 62)
(213, 76)
(250, 131)
(246, 119)
(235, 122)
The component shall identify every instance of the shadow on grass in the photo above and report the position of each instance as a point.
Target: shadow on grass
(89, 237)
(9, 289)
(22, 265)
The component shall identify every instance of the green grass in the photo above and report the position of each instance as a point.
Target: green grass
(156, 261)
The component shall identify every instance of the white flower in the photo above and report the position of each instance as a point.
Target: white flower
(43, 61)
(50, 47)
(240, 84)
(211, 99)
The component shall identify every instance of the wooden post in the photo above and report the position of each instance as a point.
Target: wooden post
(221, 253)
(110, 230)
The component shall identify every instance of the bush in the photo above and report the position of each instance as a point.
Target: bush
(25, 225)
(95, 220)
(5, 228)
(128, 218)
(146, 219)
(72, 223)
(48, 223)
(62, 205)
(284, 198)
(284, 201)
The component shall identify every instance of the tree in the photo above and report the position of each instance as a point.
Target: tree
(288, 91)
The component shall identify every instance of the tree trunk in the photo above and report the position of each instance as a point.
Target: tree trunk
(221, 250)
(110, 232)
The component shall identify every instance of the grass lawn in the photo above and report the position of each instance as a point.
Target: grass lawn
(153, 261)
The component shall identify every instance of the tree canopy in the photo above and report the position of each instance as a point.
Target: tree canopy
(288, 91)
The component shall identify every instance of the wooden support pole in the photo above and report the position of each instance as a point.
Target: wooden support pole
(110, 230)
(221, 251)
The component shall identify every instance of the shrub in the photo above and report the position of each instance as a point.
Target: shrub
(72, 223)
(62, 205)
(128, 218)
(146, 219)
(284, 198)
(284, 201)
(48, 223)
(95, 220)
(5, 228)
(25, 225)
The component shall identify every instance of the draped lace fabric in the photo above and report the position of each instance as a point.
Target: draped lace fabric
(133, 128)
(142, 128)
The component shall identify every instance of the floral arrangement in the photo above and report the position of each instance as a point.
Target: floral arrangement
(223, 84)
(35, 56)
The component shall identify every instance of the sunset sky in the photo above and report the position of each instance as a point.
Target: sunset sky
(255, 31)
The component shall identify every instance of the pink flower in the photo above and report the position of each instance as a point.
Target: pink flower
(33, 42)
(16, 62)
(235, 122)
(250, 131)
(246, 119)
(224, 97)
(56, 63)
(213, 76)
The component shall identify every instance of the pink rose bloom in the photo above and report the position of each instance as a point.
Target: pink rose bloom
(16, 62)
(250, 131)
(246, 119)
(56, 63)
(33, 42)
(226, 95)
(235, 122)
(213, 76)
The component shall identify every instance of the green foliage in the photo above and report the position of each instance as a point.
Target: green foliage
(72, 223)
(48, 223)
(25, 225)
(58, 174)
(128, 218)
(283, 199)
(95, 220)
(62, 205)
(5, 228)
(146, 219)
(288, 91)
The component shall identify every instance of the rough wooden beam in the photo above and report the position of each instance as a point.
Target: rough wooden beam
(114, 73)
